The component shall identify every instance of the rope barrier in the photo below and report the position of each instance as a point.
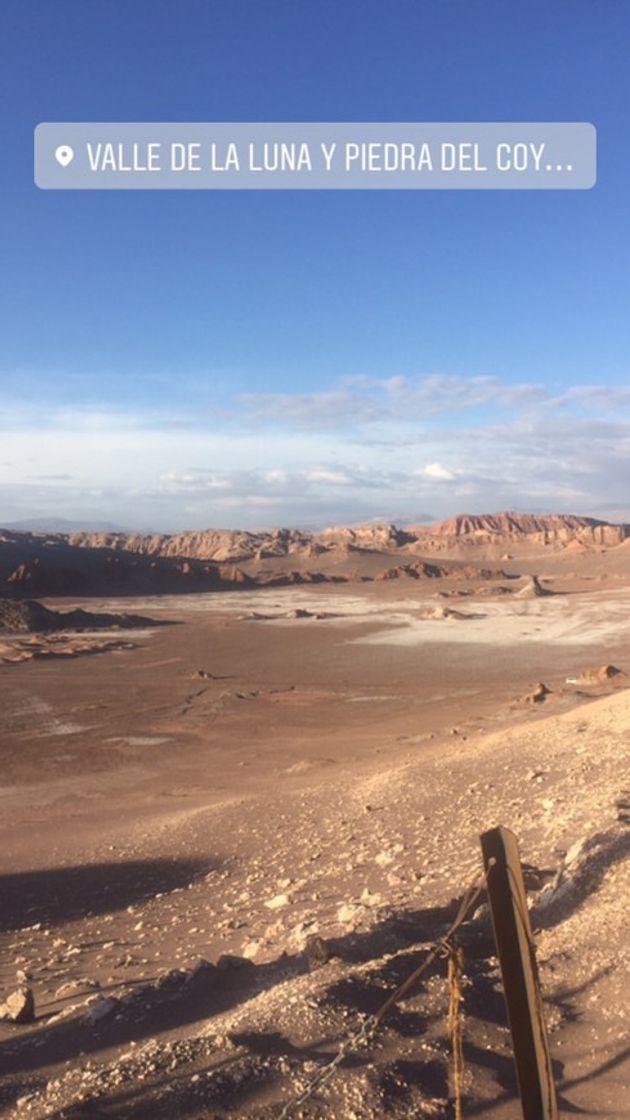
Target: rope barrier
(455, 973)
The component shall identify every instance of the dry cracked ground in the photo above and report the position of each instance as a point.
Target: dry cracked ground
(226, 843)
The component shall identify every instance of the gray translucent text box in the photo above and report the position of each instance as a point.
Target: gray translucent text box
(321, 156)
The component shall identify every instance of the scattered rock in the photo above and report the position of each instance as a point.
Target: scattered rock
(317, 952)
(19, 1006)
(532, 589)
(229, 961)
(171, 979)
(384, 858)
(278, 902)
(71, 987)
(100, 1009)
(538, 695)
(349, 913)
(252, 948)
(201, 974)
(370, 898)
(597, 676)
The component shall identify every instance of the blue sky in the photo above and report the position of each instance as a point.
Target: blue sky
(181, 359)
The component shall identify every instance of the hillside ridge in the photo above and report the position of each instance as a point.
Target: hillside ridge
(40, 563)
(239, 545)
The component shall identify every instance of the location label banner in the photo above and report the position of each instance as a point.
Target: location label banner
(315, 156)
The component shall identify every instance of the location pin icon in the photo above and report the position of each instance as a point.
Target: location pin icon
(64, 154)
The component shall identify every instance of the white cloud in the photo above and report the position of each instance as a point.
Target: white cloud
(178, 482)
(328, 476)
(370, 401)
(437, 473)
(308, 410)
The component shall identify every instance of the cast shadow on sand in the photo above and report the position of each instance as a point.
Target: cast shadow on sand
(67, 893)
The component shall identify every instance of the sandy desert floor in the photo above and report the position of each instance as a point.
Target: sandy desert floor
(282, 765)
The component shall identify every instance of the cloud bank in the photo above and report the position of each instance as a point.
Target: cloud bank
(397, 448)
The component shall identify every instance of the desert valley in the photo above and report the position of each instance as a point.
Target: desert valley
(243, 781)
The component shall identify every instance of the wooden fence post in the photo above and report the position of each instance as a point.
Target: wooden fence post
(513, 936)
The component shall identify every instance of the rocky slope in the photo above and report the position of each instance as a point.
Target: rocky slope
(39, 564)
(27, 616)
(43, 564)
(34, 564)
(366, 876)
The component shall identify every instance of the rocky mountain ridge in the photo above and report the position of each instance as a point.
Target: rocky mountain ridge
(468, 530)
(506, 528)
(35, 564)
(238, 545)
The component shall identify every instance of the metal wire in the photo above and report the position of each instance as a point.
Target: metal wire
(366, 1033)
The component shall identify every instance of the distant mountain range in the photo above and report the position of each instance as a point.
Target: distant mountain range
(112, 561)
(464, 532)
(63, 525)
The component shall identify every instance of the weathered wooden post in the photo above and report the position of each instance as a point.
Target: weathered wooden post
(515, 947)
